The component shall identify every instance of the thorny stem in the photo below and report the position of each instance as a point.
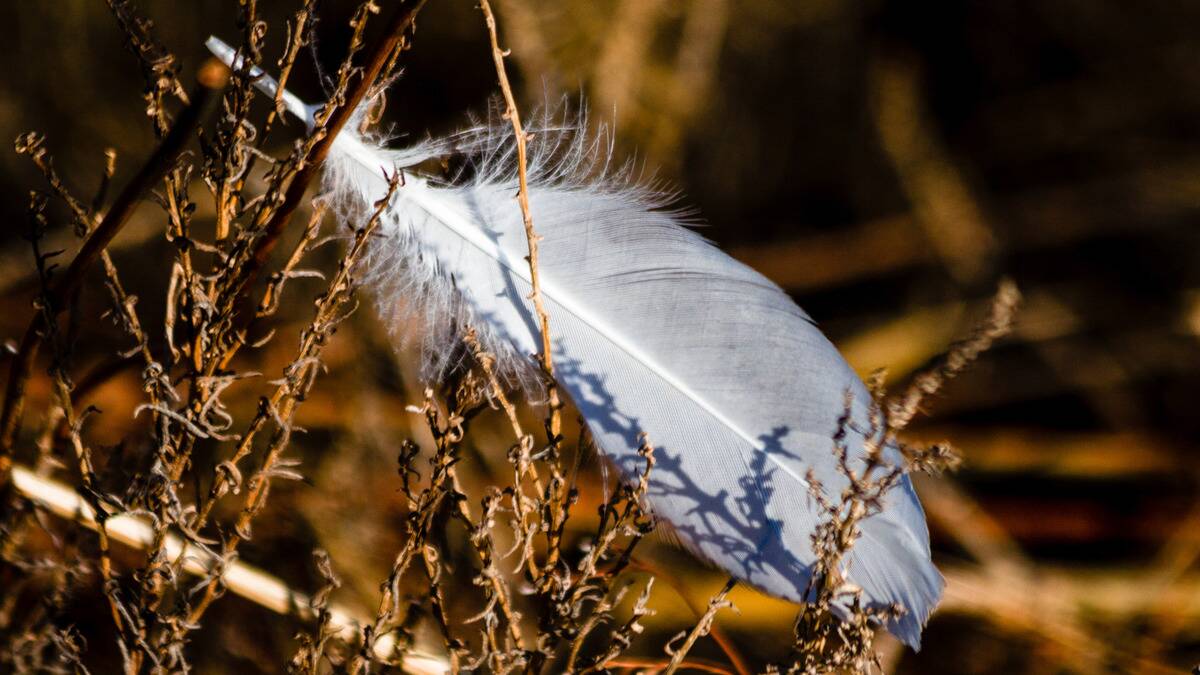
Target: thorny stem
(422, 509)
(267, 304)
(212, 78)
(514, 117)
(227, 172)
(298, 35)
(481, 539)
(523, 465)
(334, 119)
(702, 627)
(297, 38)
(270, 223)
(557, 512)
(490, 573)
(159, 67)
(621, 515)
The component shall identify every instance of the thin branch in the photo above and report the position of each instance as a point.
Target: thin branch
(514, 117)
(998, 323)
(702, 627)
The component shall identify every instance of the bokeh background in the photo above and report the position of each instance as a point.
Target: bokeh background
(886, 162)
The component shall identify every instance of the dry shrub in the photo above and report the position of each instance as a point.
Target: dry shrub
(543, 602)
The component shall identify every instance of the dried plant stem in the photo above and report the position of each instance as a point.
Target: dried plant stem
(212, 78)
(702, 627)
(297, 36)
(960, 355)
(276, 209)
(524, 507)
(514, 117)
(658, 665)
(726, 644)
(489, 573)
(242, 579)
(424, 508)
(86, 474)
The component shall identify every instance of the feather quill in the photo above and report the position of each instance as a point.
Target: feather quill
(654, 330)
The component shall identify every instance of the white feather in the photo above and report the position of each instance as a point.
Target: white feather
(654, 330)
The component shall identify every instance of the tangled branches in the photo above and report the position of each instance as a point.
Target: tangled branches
(492, 576)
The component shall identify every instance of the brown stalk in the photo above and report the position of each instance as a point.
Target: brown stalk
(212, 78)
(514, 117)
(330, 121)
(523, 505)
(726, 644)
(998, 323)
(702, 627)
(86, 474)
(659, 665)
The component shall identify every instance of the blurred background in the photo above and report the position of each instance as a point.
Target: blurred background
(885, 162)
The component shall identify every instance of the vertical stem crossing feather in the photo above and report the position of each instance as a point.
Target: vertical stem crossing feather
(514, 117)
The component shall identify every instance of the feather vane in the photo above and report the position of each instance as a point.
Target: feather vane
(654, 330)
